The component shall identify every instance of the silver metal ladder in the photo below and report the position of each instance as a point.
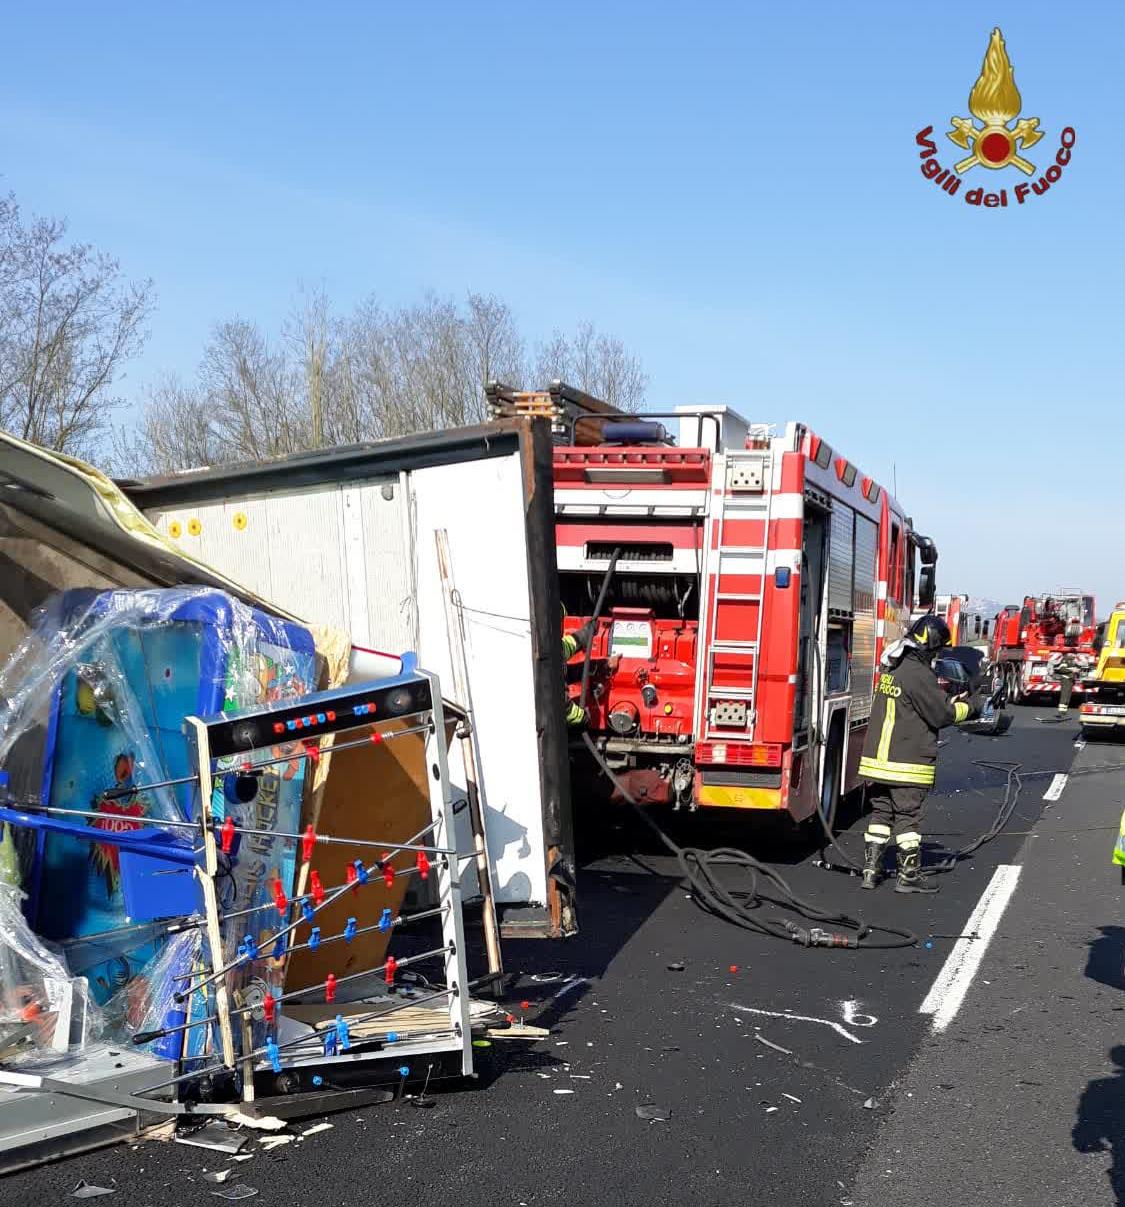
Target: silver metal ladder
(761, 506)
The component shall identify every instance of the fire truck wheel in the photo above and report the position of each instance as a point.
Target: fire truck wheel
(830, 789)
(1015, 693)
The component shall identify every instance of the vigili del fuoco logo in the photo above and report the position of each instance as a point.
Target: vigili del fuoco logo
(995, 143)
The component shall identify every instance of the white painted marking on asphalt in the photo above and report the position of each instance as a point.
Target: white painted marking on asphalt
(948, 991)
(855, 1017)
(1056, 787)
(798, 1018)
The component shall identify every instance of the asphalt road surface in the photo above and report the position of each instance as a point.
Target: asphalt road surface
(760, 1071)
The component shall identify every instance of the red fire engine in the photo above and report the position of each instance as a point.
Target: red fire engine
(1027, 640)
(757, 579)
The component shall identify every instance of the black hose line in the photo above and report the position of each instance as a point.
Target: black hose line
(593, 622)
(700, 868)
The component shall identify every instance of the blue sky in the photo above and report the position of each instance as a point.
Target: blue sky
(734, 189)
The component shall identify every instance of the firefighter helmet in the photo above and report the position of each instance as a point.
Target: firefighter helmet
(931, 633)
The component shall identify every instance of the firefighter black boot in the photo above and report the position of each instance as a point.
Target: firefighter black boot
(873, 853)
(875, 839)
(910, 877)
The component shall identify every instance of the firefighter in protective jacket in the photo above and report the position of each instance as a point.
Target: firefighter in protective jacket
(900, 753)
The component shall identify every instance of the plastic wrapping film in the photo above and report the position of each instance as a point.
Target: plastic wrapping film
(147, 1002)
(44, 1011)
(109, 677)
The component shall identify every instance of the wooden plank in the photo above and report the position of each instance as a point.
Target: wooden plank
(202, 750)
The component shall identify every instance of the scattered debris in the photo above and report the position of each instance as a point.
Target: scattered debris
(676, 966)
(269, 1143)
(770, 1044)
(244, 1157)
(320, 1127)
(653, 1113)
(85, 1191)
(791, 1097)
(219, 1176)
(215, 1136)
(871, 1104)
(575, 982)
(236, 1192)
(770, 1110)
(564, 1091)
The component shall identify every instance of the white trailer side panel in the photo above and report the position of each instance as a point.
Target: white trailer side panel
(349, 555)
(480, 505)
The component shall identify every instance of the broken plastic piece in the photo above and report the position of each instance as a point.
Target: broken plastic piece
(330, 987)
(652, 1112)
(676, 966)
(236, 1192)
(85, 1191)
(316, 888)
(307, 844)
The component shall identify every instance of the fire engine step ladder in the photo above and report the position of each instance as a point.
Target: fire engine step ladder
(747, 495)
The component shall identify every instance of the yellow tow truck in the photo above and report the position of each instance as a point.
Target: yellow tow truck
(1103, 711)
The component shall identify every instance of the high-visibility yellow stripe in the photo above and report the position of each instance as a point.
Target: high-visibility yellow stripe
(910, 841)
(570, 647)
(888, 729)
(960, 712)
(575, 713)
(896, 773)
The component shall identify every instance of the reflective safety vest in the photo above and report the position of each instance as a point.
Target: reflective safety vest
(907, 711)
(1119, 849)
(571, 644)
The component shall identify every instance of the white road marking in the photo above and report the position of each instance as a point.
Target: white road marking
(855, 1017)
(1056, 787)
(798, 1018)
(948, 991)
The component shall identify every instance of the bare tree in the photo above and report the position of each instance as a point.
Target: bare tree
(597, 364)
(372, 374)
(177, 431)
(68, 323)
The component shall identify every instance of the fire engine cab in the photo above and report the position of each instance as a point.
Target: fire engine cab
(749, 581)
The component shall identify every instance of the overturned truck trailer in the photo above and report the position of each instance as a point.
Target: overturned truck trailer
(348, 538)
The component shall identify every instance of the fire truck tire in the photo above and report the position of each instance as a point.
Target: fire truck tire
(830, 789)
(1015, 692)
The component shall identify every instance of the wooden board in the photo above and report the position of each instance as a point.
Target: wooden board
(375, 792)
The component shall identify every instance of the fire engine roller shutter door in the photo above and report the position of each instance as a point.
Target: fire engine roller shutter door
(841, 559)
(863, 627)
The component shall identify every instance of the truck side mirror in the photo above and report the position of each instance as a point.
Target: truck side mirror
(927, 587)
